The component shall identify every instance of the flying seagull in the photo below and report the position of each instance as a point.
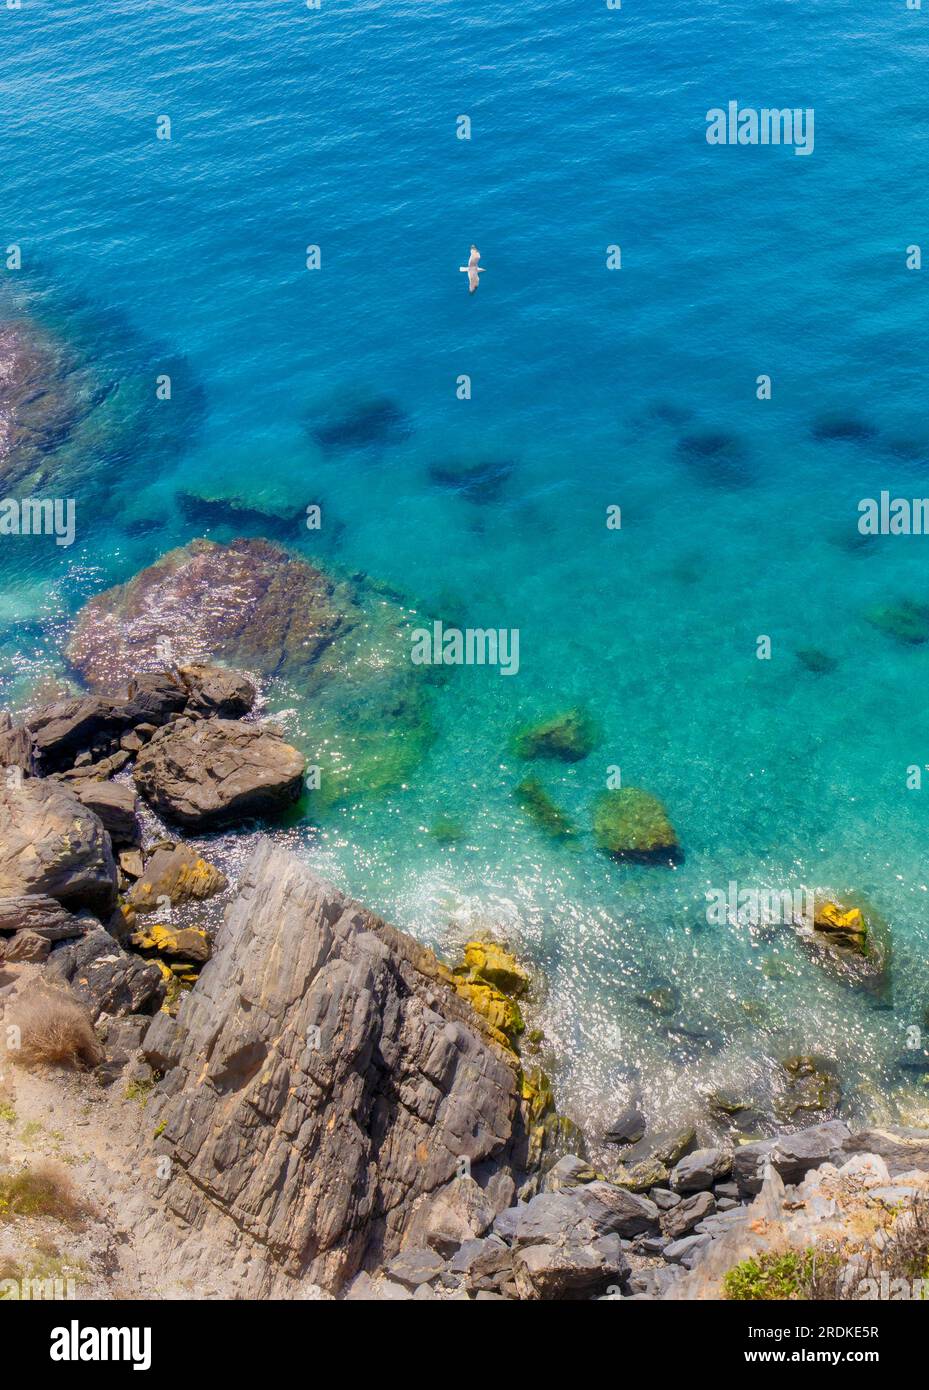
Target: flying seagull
(472, 269)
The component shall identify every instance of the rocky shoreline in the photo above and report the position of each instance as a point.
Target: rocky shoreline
(330, 1110)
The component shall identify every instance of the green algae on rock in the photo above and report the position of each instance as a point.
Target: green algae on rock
(569, 736)
(539, 806)
(633, 824)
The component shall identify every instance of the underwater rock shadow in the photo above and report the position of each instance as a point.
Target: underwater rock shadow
(354, 422)
(78, 397)
(480, 483)
(716, 458)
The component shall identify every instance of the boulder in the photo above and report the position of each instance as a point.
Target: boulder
(63, 730)
(681, 1220)
(324, 1077)
(214, 691)
(570, 1270)
(117, 807)
(208, 773)
(699, 1170)
(105, 978)
(27, 946)
(902, 1149)
(43, 915)
(632, 824)
(749, 1164)
(183, 943)
(793, 1155)
(52, 845)
(627, 1128)
(178, 875)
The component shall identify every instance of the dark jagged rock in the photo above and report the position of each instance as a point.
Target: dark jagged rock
(208, 773)
(63, 730)
(105, 978)
(323, 1076)
(51, 844)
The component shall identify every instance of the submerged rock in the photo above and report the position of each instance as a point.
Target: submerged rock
(716, 457)
(324, 1078)
(842, 429)
(811, 1086)
(633, 824)
(355, 421)
(539, 806)
(208, 773)
(52, 845)
(821, 663)
(906, 621)
(480, 482)
(852, 943)
(248, 602)
(569, 736)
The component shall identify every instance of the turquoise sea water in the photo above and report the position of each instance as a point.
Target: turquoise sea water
(337, 127)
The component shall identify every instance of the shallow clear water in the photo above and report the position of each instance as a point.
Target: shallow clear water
(337, 128)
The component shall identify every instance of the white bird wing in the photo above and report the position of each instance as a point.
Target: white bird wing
(474, 257)
(473, 279)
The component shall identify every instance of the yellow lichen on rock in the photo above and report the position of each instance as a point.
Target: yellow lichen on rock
(485, 960)
(188, 943)
(501, 1013)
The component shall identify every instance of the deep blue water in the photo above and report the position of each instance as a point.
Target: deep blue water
(337, 127)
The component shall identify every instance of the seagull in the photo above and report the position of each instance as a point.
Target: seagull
(472, 269)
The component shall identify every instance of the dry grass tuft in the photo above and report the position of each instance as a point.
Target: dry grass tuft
(44, 1189)
(54, 1029)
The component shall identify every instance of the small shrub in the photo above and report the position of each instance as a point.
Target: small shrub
(772, 1276)
(45, 1189)
(54, 1030)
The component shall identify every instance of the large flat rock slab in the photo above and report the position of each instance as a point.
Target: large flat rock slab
(322, 1077)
